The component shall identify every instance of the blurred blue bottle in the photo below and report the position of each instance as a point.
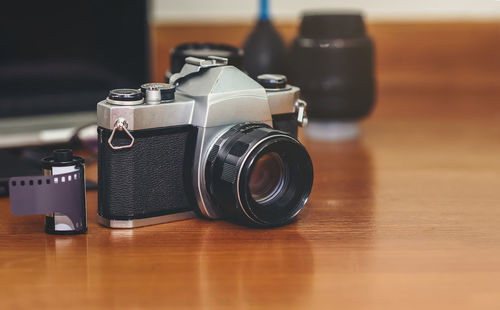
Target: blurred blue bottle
(264, 48)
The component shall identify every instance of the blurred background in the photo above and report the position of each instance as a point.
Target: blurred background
(428, 54)
(57, 61)
(226, 10)
(455, 40)
(407, 213)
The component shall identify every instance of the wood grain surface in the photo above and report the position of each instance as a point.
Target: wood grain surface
(406, 217)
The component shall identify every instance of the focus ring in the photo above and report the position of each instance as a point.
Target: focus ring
(231, 162)
(223, 162)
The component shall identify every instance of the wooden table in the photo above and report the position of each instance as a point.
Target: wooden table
(408, 217)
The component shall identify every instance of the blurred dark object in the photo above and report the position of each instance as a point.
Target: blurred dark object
(264, 48)
(203, 50)
(57, 58)
(331, 60)
(13, 165)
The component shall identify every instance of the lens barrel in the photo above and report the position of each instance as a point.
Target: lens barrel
(331, 60)
(259, 175)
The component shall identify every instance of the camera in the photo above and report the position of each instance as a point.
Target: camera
(214, 143)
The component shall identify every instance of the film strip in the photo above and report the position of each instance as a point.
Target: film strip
(60, 196)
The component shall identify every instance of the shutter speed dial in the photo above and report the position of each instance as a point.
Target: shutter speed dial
(155, 93)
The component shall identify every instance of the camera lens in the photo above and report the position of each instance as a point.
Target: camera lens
(332, 63)
(267, 178)
(259, 175)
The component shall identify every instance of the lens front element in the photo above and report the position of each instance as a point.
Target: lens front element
(267, 178)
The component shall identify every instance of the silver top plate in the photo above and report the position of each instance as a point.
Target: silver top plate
(220, 95)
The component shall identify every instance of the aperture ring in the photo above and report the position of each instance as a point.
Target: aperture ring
(229, 166)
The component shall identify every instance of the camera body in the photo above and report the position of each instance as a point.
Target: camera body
(164, 157)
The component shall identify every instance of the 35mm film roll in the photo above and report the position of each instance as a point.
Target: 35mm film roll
(59, 194)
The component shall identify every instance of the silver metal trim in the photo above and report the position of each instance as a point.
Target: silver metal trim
(212, 61)
(153, 92)
(147, 116)
(124, 103)
(277, 90)
(302, 118)
(281, 100)
(145, 221)
(222, 95)
(202, 152)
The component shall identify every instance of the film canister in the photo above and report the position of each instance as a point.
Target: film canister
(59, 194)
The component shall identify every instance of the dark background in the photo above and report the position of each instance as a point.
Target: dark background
(61, 56)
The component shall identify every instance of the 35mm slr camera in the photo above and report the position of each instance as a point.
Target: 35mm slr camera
(217, 144)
